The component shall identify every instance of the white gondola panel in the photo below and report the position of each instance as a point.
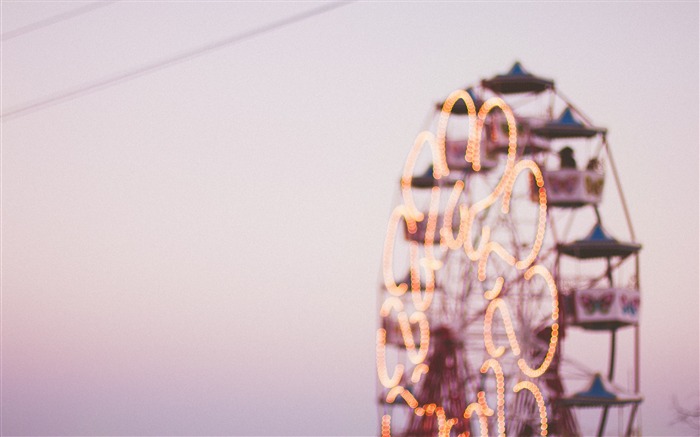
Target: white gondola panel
(606, 308)
(572, 187)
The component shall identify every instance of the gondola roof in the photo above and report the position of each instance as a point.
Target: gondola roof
(598, 244)
(567, 126)
(427, 180)
(460, 108)
(598, 395)
(517, 80)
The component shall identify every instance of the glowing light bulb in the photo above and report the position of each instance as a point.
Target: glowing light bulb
(477, 408)
(500, 393)
(445, 114)
(500, 305)
(386, 425)
(532, 388)
(420, 370)
(384, 378)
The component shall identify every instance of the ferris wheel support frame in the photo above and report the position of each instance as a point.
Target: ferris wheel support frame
(637, 377)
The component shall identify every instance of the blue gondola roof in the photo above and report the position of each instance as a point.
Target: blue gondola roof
(517, 80)
(598, 395)
(596, 390)
(517, 70)
(599, 234)
(567, 117)
(567, 126)
(598, 244)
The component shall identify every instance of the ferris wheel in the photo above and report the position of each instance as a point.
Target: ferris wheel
(495, 252)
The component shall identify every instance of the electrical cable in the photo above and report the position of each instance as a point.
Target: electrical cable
(101, 84)
(55, 19)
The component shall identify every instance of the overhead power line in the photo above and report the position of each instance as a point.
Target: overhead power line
(55, 19)
(98, 85)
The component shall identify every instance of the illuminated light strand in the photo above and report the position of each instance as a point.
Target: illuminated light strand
(431, 225)
(382, 371)
(467, 220)
(444, 425)
(468, 215)
(418, 372)
(424, 328)
(532, 388)
(475, 254)
(486, 247)
(554, 338)
(414, 268)
(405, 394)
(542, 217)
(506, 178)
(393, 394)
(551, 350)
(539, 238)
(524, 164)
(420, 301)
(496, 290)
(481, 399)
(494, 247)
(391, 303)
(488, 106)
(430, 262)
(502, 307)
(445, 114)
(441, 420)
(416, 357)
(494, 132)
(410, 400)
(543, 272)
(446, 232)
(500, 393)
(489, 248)
(450, 423)
(439, 161)
(406, 333)
(483, 421)
(505, 181)
(388, 256)
(386, 425)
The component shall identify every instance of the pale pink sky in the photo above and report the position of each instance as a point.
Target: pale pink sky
(197, 251)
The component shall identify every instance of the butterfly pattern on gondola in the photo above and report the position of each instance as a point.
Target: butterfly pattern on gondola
(594, 186)
(630, 305)
(599, 304)
(562, 185)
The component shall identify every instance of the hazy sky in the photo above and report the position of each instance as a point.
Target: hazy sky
(197, 251)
